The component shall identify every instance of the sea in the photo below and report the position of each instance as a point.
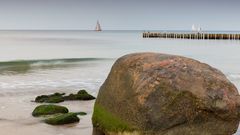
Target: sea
(36, 61)
(75, 59)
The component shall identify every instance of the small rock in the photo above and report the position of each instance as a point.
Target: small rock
(62, 119)
(53, 98)
(81, 95)
(81, 113)
(48, 110)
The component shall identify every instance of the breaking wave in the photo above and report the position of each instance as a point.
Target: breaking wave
(23, 66)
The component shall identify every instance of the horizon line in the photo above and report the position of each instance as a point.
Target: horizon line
(110, 30)
(106, 30)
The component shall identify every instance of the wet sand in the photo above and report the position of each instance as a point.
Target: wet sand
(15, 117)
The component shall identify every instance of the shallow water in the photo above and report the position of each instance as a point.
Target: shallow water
(41, 62)
(76, 45)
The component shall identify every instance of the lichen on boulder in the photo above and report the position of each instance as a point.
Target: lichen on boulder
(151, 93)
(43, 110)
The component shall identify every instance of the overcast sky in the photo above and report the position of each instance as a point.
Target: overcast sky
(120, 14)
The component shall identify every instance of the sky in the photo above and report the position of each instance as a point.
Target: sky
(120, 14)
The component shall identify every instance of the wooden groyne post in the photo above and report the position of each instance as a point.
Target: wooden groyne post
(199, 36)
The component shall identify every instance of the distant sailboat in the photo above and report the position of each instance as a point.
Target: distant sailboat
(196, 29)
(98, 27)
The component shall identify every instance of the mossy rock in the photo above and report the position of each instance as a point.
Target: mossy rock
(82, 92)
(81, 95)
(81, 113)
(53, 98)
(59, 97)
(104, 120)
(62, 119)
(41, 99)
(48, 110)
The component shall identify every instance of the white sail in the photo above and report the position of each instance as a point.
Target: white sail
(98, 27)
(194, 28)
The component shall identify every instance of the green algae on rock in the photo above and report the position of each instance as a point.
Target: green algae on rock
(53, 98)
(48, 110)
(81, 95)
(108, 121)
(152, 94)
(59, 97)
(82, 92)
(62, 119)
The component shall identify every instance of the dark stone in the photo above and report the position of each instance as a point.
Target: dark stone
(81, 95)
(81, 113)
(53, 98)
(59, 97)
(82, 92)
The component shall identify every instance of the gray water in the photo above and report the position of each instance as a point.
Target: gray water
(105, 47)
(35, 61)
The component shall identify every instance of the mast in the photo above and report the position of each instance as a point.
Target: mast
(98, 27)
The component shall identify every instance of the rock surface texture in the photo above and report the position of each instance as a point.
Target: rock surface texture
(42, 110)
(62, 119)
(160, 94)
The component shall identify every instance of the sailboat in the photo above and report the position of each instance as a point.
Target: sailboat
(196, 29)
(98, 27)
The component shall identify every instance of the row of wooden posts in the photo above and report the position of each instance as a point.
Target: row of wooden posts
(192, 36)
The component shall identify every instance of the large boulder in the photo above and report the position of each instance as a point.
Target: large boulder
(160, 94)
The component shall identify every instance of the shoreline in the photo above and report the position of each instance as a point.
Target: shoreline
(16, 117)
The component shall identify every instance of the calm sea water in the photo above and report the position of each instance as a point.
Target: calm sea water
(41, 61)
(32, 60)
